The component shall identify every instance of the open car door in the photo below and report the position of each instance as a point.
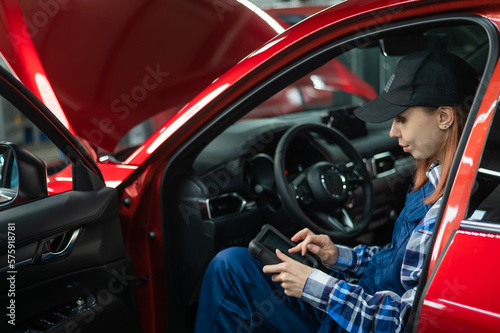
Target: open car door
(63, 266)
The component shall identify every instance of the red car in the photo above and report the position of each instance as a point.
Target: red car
(131, 256)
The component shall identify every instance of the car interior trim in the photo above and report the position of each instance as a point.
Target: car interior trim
(481, 226)
(220, 206)
(18, 265)
(383, 164)
(67, 248)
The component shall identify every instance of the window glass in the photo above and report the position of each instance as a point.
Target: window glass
(484, 205)
(359, 74)
(17, 129)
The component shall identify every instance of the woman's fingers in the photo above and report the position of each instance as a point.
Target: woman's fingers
(302, 234)
(281, 267)
(312, 243)
(283, 257)
(313, 248)
(291, 274)
(321, 245)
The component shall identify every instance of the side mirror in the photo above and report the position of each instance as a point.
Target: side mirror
(23, 176)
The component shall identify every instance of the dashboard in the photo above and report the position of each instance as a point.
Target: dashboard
(236, 170)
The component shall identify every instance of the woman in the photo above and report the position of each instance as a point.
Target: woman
(370, 288)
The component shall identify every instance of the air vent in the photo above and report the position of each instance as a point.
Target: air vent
(223, 205)
(383, 164)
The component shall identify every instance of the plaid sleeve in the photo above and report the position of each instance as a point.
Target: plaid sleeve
(354, 260)
(353, 309)
(417, 247)
(385, 311)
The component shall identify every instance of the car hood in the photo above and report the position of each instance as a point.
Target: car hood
(104, 67)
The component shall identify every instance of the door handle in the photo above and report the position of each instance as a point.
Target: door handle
(60, 245)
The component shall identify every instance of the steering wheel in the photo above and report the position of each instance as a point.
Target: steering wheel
(317, 197)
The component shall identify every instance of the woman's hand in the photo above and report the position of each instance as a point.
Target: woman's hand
(321, 245)
(290, 273)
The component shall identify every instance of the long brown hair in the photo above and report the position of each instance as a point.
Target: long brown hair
(446, 153)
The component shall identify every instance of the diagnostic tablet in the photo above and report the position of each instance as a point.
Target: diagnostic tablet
(263, 247)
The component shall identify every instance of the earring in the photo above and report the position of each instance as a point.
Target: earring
(446, 126)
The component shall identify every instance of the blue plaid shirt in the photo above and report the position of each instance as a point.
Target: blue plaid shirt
(385, 311)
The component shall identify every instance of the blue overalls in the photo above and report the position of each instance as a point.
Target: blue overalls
(237, 297)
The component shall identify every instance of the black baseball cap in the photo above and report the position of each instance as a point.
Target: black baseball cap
(426, 78)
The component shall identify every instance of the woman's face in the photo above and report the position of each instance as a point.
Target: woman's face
(418, 132)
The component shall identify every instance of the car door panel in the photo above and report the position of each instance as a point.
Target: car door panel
(59, 213)
(91, 282)
(451, 303)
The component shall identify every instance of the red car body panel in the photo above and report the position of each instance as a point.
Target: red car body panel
(464, 294)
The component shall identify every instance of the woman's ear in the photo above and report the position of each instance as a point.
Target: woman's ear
(446, 116)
